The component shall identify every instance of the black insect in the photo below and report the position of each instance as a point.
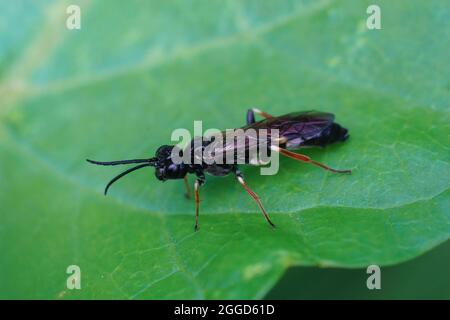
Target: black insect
(296, 130)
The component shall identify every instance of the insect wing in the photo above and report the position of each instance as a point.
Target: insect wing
(242, 144)
(298, 127)
(236, 146)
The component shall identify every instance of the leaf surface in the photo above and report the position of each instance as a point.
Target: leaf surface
(138, 70)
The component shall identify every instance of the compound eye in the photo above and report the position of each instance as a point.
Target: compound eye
(173, 168)
(172, 171)
(160, 173)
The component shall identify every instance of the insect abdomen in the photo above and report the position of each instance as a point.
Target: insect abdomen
(331, 134)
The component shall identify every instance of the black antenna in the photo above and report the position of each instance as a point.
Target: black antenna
(114, 163)
(125, 173)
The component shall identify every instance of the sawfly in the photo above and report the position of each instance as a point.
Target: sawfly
(296, 130)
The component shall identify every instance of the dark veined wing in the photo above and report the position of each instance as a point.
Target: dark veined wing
(239, 146)
(295, 130)
(298, 128)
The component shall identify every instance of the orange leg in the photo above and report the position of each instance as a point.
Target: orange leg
(262, 113)
(303, 158)
(197, 203)
(254, 196)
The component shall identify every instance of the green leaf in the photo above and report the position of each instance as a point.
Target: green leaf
(425, 277)
(134, 72)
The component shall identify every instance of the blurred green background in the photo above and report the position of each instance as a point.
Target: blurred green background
(137, 70)
(426, 277)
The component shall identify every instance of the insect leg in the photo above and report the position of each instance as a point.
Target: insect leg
(255, 197)
(200, 181)
(187, 194)
(303, 158)
(251, 115)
